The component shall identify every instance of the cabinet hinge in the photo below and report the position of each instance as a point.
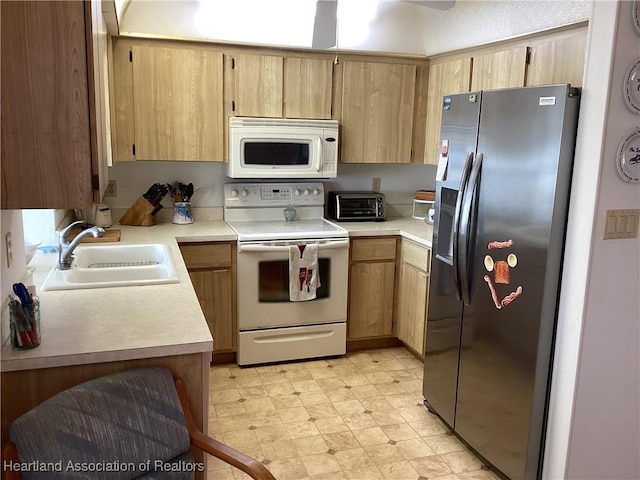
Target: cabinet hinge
(130, 55)
(528, 57)
(233, 105)
(133, 149)
(233, 63)
(95, 182)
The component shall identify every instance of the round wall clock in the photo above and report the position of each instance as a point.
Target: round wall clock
(635, 12)
(628, 157)
(631, 87)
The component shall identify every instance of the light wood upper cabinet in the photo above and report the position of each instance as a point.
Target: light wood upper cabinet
(167, 102)
(502, 69)
(291, 87)
(123, 136)
(445, 78)
(258, 85)
(558, 61)
(377, 112)
(51, 94)
(307, 88)
(177, 104)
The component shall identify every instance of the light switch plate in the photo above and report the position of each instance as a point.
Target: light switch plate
(621, 224)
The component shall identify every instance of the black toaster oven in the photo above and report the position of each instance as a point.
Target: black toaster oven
(356, 206)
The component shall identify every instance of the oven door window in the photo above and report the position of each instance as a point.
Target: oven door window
(273, 281)
(270, 153)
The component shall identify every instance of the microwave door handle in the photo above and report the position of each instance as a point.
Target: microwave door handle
(320, 152)
(285, 248)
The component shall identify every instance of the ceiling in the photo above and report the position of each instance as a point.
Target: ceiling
(419, 27)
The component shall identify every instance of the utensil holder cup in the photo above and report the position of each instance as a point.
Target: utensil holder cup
(182, 214)
(24, 324)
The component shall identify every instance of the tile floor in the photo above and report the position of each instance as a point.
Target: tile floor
(356, 417)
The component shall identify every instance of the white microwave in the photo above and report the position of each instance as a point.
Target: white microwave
(282, 148)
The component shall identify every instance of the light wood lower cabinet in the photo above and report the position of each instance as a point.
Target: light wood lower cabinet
(413, 289)
(212, 269)
(371, 288)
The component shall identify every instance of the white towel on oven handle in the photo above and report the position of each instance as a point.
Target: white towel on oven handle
(304, 278)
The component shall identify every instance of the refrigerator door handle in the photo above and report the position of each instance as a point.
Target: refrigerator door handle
(464, 180)
(466, 235)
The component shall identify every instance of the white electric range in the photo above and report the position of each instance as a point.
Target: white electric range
(273, 328)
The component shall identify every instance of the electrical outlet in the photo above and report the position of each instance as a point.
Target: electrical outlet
(112, 189)
(375, 184)
(8, 243)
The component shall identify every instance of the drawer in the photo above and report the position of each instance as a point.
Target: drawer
(206, 255)
(416, 255)
(373, 249)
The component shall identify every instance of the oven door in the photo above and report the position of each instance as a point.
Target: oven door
(263, 285)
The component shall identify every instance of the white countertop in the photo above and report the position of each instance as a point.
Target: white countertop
(123, 323)
(416, 230)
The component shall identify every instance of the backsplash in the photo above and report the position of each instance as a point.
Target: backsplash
(398, 182)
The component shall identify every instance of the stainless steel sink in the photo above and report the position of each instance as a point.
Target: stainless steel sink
(115, 266)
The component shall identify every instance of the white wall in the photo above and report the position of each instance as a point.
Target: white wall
(594, 421)
(12, 222)
(398, 182)
(397, 26)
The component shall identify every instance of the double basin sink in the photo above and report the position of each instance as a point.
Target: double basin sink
(115, 266)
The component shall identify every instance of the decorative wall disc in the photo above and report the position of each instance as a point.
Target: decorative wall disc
(631, 87)
(628, 157)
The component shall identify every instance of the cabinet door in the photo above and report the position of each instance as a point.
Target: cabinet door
(412, 302)
(503, 69)
(99, 91)
(258, 85)
(46, 148)
(377, 112)
(558, 61)
(446, 78)
(307, 88)
(177, 104)
(123, 133)
(371, 293)
(214, 291)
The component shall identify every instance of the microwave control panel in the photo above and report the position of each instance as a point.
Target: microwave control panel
(271, 194)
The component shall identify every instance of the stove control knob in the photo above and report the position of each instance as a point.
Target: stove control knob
(306, 191)
(315, 191)
(245, 192)
(296, 192)
(234, 193)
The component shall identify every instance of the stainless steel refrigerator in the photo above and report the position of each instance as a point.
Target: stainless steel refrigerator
(499, 231)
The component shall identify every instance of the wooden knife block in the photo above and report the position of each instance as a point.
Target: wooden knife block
(141, 213)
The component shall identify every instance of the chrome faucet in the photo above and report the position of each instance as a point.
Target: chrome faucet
(66, 248)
